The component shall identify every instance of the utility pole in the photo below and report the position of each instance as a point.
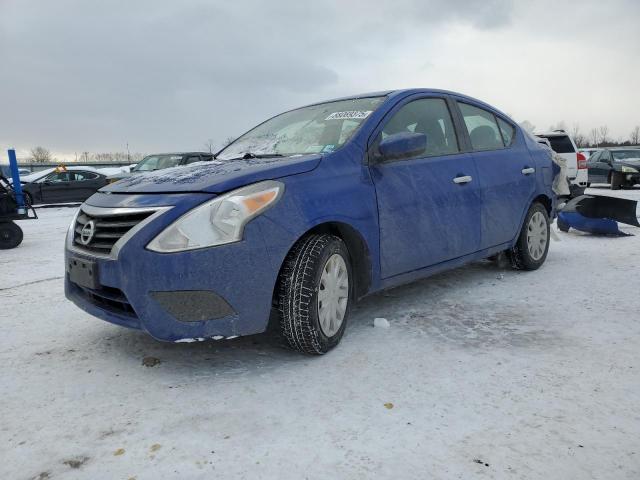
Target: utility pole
(128, 156)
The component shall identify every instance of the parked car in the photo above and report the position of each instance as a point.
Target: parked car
(563, 145)
(61, 185)
(308, 212)
(5, 171)
(620, 167)
(160, 161)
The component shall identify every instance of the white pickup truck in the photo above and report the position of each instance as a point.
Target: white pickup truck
(577, 172)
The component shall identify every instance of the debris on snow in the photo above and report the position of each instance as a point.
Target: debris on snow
(75, 462)
(381, 323)
(118, 452)
(388, 405)
(150, 361)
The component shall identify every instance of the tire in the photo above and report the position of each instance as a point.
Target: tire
(588, 184)
(299, 293)
(10, 235)
(616, 181)
(562, 225)
(521, 255)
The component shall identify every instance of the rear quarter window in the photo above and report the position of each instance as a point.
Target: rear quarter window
(561, 144)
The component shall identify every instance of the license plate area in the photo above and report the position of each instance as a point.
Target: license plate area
(83, 272)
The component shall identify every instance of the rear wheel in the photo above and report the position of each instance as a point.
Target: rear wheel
(10, 235)
(314, 294)
(532, 246)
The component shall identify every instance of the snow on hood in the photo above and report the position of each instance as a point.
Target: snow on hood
(214, 176)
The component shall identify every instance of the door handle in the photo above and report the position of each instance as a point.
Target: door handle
(528, 170)
(462, 179)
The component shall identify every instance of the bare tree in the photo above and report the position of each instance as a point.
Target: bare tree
(603, 132)
(209, 146)
(85, 157)
(634, 137)
(41, 155)
(580, 139)
(228, 141)
(594, 137)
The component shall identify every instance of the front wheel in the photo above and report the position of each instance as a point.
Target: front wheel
(616, 181)
(532, 246)
(314, 295)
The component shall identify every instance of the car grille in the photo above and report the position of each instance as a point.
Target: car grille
(109, 228)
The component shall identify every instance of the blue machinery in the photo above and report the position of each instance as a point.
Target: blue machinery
(13, 206)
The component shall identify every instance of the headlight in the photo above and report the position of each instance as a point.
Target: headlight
(629, 169)
(219, 221)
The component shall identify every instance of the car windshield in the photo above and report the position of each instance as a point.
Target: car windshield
(157, 162)
(625, 155)
(319, 128)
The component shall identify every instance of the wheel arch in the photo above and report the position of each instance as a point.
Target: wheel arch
(356, 245)
(545, 201)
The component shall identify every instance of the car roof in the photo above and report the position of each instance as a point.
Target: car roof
(403, 93)
(551, 134)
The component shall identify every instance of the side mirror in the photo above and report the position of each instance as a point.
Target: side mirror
(402, 145)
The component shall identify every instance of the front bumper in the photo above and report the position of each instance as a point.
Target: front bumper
(214, 292)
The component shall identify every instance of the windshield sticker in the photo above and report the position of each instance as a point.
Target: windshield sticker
(350, 115)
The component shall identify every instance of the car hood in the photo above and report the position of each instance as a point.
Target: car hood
(628, 163)
(214, 176)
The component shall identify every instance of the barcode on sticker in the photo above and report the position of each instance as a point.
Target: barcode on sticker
(350, 115)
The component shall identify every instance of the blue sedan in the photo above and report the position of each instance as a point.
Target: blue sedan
(307, 213)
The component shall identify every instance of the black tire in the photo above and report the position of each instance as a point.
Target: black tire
(562, 225)
(519, 255)
(297, 293)
(616, 181)
(10, 235)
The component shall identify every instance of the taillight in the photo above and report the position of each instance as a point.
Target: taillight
(582, 161)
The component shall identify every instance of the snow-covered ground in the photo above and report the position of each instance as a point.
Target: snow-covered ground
(482, 373)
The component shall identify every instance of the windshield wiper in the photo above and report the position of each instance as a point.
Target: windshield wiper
(248, 155)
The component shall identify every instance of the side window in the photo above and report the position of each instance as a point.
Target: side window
(82, 176)
(604, 156)
(482, 127)
(595, 157)
(429, 116)
(192, 159)
(57, 177)
(507, 131)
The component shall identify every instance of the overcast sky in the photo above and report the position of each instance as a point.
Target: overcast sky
(79, 75)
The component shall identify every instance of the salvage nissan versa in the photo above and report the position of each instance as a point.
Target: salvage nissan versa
(308, 212)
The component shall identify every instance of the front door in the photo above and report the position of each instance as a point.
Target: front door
(599, 165)
(428, 205)
(56, 187)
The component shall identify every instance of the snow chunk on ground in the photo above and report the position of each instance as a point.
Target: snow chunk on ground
(381, 323)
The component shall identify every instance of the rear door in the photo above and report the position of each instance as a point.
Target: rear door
(85, 184)
(428, 205)
(506, 172)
